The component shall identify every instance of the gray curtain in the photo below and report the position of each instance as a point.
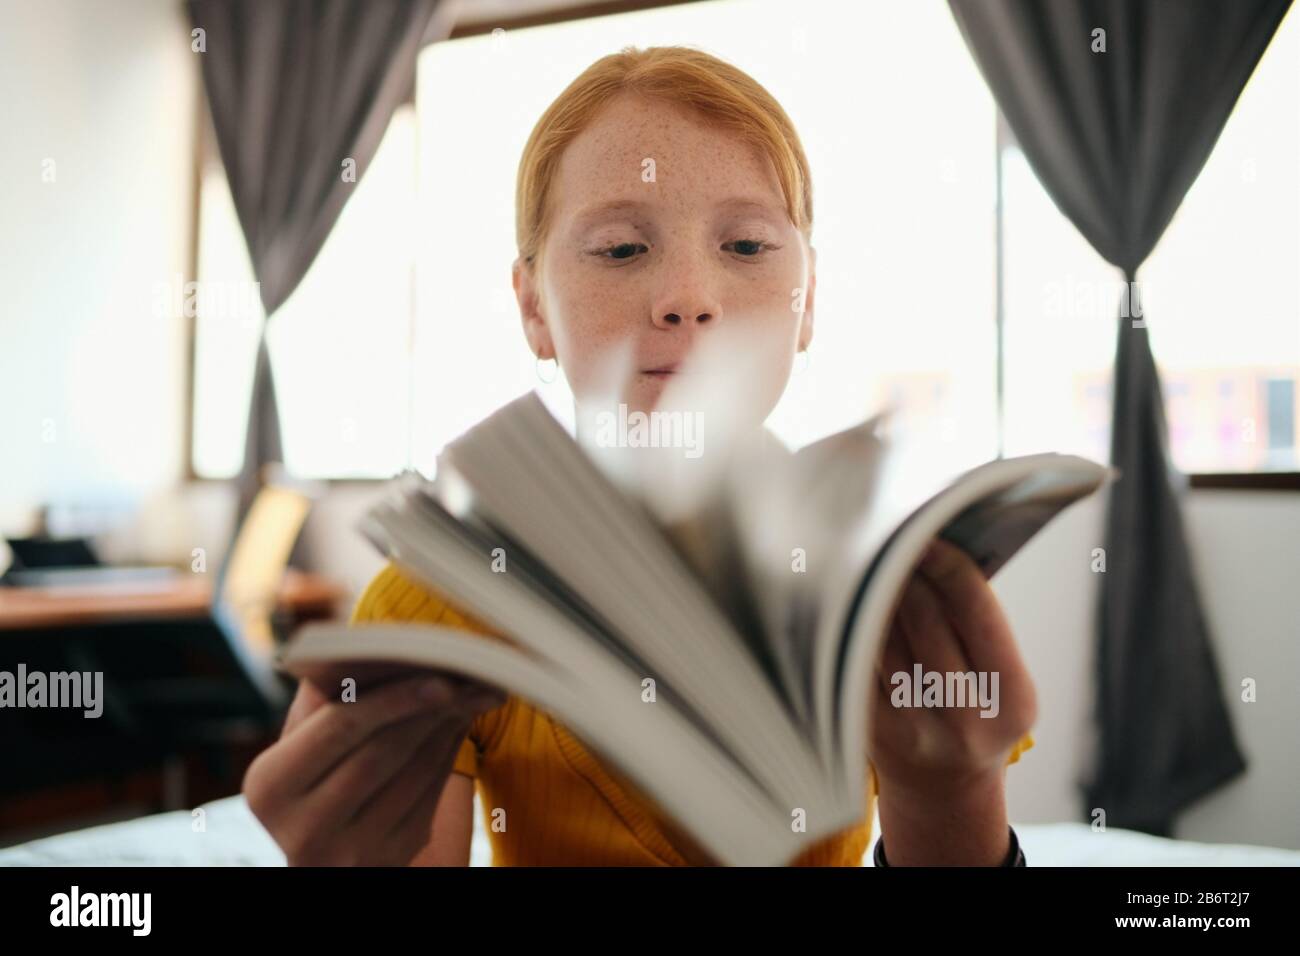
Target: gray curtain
(295, 88)
(1117, 138)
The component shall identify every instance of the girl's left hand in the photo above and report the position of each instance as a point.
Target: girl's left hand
(950, 621)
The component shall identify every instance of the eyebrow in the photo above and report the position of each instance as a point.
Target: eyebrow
(612, 207)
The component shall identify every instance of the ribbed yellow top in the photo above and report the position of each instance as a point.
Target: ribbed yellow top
(546, 799)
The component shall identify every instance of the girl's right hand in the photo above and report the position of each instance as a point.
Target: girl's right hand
(357, 783)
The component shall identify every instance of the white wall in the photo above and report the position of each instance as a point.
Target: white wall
(1246, 549)
(92, 390)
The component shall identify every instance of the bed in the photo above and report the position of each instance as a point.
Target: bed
(232, 836)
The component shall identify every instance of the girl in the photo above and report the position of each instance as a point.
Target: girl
(664, 194)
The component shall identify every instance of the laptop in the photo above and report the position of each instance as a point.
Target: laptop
(72, 562)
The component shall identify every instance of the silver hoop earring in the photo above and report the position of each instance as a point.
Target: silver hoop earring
(555, 370)
(802, 360)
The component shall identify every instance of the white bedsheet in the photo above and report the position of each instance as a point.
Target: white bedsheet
(232, 836)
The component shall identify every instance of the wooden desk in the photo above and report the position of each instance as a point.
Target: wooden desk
(305, 596)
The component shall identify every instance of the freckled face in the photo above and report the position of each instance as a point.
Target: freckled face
(656, 265)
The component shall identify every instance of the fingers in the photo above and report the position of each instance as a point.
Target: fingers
(934, 642)
(966, 597)
(307, 699)
(413, 828)
(302, 758)
(990, 644)
(430, 760)
(895, 656)
(413, 832)
(920, 633)
(368, 771)
(949, 620)
(317, 829)
(346, 781)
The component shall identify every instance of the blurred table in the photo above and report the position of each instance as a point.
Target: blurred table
(303, 596)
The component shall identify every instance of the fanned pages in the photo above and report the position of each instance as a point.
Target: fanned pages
(714, 638)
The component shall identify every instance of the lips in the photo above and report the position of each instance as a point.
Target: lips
(663, 370)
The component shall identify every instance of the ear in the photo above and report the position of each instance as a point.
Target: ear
(806, 322)
(528, 294)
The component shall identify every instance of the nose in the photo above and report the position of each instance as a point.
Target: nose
(686, 308)
(669, 319)
(686, 299)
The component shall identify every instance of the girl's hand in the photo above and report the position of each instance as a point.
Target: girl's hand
(358, 783)
(943, 758)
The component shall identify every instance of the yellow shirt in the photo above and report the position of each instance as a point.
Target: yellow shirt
(546, 799)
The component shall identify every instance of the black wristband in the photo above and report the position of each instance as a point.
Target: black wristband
(1015, 855)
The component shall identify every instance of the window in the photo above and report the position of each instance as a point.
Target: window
(405, 331)
(904, 210)
(904, 231)
(1220, 295)
(339, 345)
(227, 317)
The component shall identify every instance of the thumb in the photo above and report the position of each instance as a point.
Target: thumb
(306, 701)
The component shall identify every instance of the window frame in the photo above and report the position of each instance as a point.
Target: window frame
(205, 151)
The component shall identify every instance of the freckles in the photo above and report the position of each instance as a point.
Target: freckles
(607, 335)
(593, 318)
(771, 291)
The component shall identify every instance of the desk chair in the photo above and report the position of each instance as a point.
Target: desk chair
(244, 692)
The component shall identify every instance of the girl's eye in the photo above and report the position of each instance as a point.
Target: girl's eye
(624, 250)
(749, 248)
(746, 248)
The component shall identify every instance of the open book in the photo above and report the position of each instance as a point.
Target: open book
(720, 660)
